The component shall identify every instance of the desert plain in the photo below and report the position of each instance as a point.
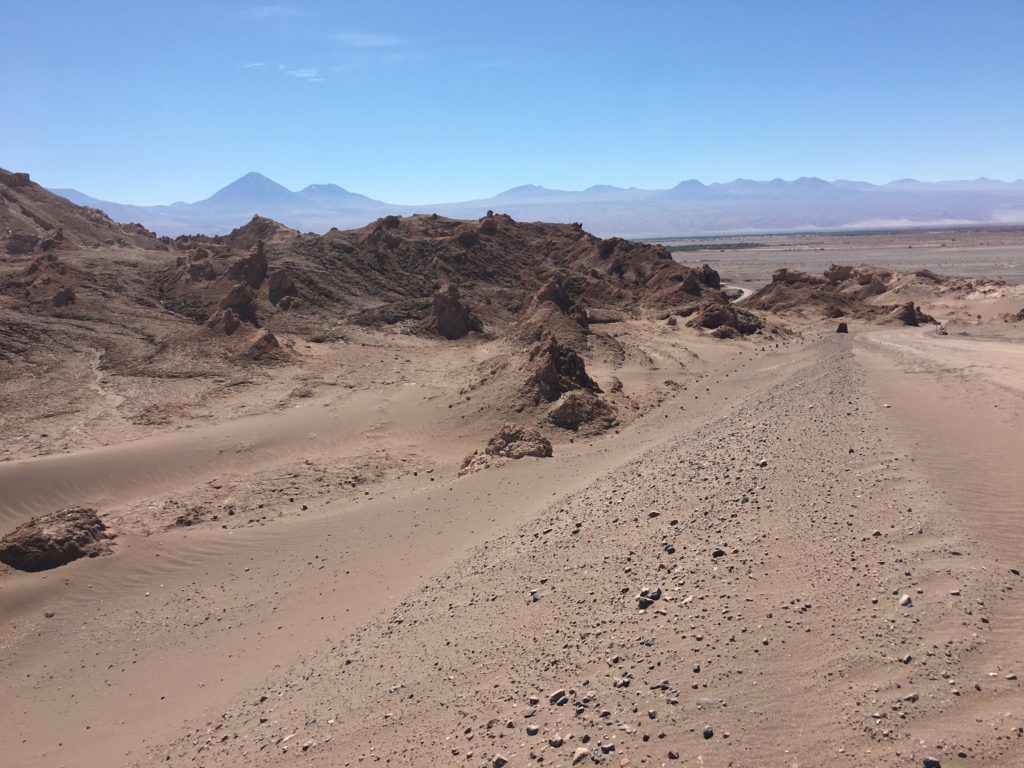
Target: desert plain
(495, 493)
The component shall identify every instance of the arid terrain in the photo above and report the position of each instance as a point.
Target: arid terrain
(494, 493)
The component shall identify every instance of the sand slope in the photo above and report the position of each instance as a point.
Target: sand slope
(406, 626)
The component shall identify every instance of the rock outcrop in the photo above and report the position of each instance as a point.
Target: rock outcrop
(252, 269)
(511, 441)
(554, 369)
(279, 286)
(715, 316)
(262, 344)
(55, 539)
(579, 407)
(514, 441)
(554, 308)
(236, 307)
(449, 317)
(909, 314)
(863, 291)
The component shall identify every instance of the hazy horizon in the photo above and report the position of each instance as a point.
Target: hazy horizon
(412, 104)
(526, 185)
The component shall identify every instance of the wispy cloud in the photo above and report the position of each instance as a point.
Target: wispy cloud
(367, 40)
(311, 74)
(274, 12)
(253, 65)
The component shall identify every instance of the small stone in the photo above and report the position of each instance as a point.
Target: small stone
(905, 601)
(763, 463)
(708, 732)
(532, 730)
(581, 754)
(499, 761)
(556, 741)
(557, 696)
(48, 614)
(931, 762)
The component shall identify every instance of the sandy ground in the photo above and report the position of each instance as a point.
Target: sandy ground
(301, 575)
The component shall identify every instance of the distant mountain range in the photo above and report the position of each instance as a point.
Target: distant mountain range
(689, 208)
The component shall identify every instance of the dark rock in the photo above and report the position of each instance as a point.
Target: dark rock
(580, 407)
(64, 296)
(55, 539)
(237, 306)
(449, 316)
(511, 441)
(713, 316)
(20, 242)
(251, 270)
(554, 369)
(279, 285)
(842, 328)
(908, 314)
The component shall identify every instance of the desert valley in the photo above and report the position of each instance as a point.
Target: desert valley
(488, 492)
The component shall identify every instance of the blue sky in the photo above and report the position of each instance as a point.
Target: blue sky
(416, 102)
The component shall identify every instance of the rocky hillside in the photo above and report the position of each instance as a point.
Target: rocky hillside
(386, 273)
(863, 291)
(33, 219)
(80, 293)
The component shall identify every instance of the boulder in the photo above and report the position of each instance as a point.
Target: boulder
(580, 407)
(714, 315)
(514, 441)
(511, 441)
(55, 539)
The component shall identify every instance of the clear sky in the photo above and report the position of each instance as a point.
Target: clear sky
(153, 101)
